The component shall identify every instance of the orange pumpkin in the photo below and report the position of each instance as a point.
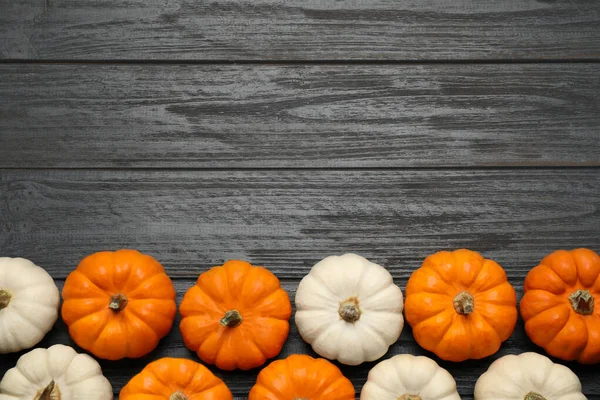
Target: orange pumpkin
(118, 304)
(175, 379)
(236, 316)
(460, 305)
(561, 305)
(300, 377)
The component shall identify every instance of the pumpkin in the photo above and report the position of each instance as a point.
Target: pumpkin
(236, 316)
(561, 305)
(460, 305)
(406, 377)
(118, 304)
(29, 302)
(56, 373)
(175, 379)
(528, 376)
(349, 309)
(301, 377)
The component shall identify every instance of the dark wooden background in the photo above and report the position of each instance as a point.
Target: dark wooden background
(281, 132)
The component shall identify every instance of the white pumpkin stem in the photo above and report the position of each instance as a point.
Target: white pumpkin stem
(464, 303)
(534, 396)
(231, 319)
(4, 299)
(178, 396)
(349, 310)
(118, 302)
(582, 302)
(409, 397)
(50, 392)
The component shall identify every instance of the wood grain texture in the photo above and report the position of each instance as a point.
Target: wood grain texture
(240, 382)
(289, 220)
(200, 116)
(299, 30)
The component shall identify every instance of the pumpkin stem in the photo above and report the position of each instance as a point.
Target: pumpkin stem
(231, 319)
(4, 299)
(409, 397)
(178, 396)
(118, 302)
(582, 302)
(534, 396)
(349, 310)
(50, 392)
(301, 398)
(463, 303)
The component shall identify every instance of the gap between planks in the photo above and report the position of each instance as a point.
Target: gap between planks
(492, 167)
(333, 62)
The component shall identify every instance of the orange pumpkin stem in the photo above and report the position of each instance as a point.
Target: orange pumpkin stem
(582, 302)
(4, 299)
(464, 303)
(50, 392)
(231, 319)
(409, 397)
(118, 302)
(534, 396)
(349, 310)
(178, 396)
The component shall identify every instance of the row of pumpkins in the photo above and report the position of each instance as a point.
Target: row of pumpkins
(460, 306)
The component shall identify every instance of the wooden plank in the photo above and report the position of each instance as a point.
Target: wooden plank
(275, 116)
(289, 220)
(299, 30)
(465, 373)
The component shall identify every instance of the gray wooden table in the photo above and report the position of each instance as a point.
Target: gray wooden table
(281, 132)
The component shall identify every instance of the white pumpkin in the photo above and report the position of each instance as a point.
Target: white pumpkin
(56, 373)
(528, 376)
(407, 377)
(29, 302)
(349, 309)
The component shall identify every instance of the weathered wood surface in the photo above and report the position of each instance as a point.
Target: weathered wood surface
(465, 373)
(288, 220)
(190, 116)
(299, 30)
(341, 129)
